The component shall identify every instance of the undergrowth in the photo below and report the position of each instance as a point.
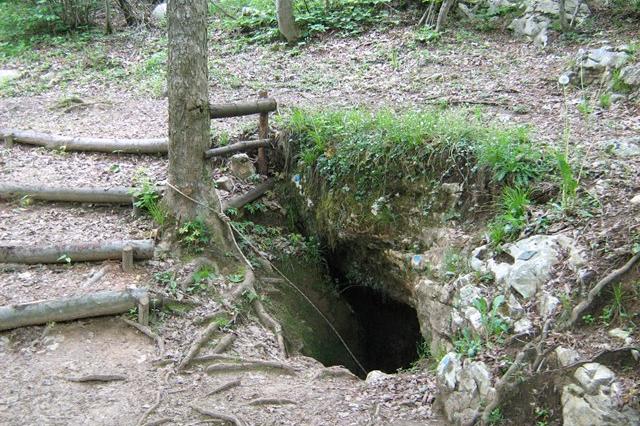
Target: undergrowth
(256, 19)
(370, 171)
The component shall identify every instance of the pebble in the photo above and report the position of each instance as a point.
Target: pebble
(636, 200)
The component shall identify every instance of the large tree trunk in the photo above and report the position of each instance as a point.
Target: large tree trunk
(189, 193)
(286, 21)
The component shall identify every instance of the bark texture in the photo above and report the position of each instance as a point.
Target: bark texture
(286, 21)
(236, 109)
(85, 306)
(74, 252)
(114, 195)
(189, 122)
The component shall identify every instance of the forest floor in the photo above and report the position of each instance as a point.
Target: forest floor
(508, 79)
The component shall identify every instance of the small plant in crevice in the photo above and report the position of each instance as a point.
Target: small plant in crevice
(168, 280)
(194, 235)
(454, 263)
(616, 310)
(201, 279)
(467, 343)
(147, 198)
(512, 218)
(496, 417)
(494, 325)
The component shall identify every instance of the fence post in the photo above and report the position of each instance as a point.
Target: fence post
(263, 133)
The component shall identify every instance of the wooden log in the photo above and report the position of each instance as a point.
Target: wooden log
(238, 109)
(67, 309)
(8, 140)
(254, 194)
(115, 195)
(143, 310)
(128, 146)
(238, 146)
(263, 133)
(127, 258)
(78, 252)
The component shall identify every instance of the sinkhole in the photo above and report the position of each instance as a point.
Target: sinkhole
(380, 332)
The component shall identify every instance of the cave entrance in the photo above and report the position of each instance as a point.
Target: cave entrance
(388, 331)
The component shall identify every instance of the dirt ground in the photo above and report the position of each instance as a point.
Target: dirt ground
(509, 79)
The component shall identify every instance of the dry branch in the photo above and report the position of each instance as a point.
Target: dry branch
(248, 197)
(97, 378)
(238, 146)
(150, 334)
(614, 276)
(238, 109)
(95, 277)
(115, 195)
(56, 310)
(271, 401)
(250, 366)
(78, 252)
(238, 421)
(226, 386)
(128, 146)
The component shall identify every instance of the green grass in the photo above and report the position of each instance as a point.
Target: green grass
(510, 221)
(365, 170)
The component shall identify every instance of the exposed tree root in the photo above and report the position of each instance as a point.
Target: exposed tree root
(196, 266)
(238, 421)
(224, 343)
(272, 401)
(147, 332)
(226, 386)
(97, 276)
(160, 421)
(151, 409)
(614, 276)
(271, 324)
(334, 372)
(204, 337)
(97, 378)
(250, 366)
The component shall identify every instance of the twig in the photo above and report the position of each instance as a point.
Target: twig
(97, 378)
(151, 409)
(147, 332)
(96, 276)
(271, 401)
(614, 276)
(229, 385)
(238, 421)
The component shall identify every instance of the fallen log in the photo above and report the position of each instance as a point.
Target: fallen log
(56, 310)
(235, 147)
(254, 194)
(238, 109)
(68, 143)
(78, 252)
(115, 195)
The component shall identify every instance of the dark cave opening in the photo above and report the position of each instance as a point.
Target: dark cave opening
(388, 331)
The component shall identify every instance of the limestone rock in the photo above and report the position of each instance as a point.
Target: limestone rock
(621, 334)
(474, 318)
(623, 147)
(515, 308)
(159, 12)
(547, 305)
(241, 166)
(225, 183)
(566, 356)
(635, 200)
(8, 75)
(593, 376)
(533, 260)
(375, 377)
(462, 389)
(540, 14)
(523, 326)
(631, 75)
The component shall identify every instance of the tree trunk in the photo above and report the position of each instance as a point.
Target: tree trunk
(442, 15)
(562, 12)
(286, 21)
(189, 193)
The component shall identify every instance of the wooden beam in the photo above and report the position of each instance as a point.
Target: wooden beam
(238, 109)
(83, 306)
(127, 146)
(74, 252)
(254, 194)
(238, 146)
(115, 195)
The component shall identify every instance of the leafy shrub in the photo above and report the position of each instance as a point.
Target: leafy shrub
(512, 218)
(194, 235)
(257, 18)
(24, 22)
